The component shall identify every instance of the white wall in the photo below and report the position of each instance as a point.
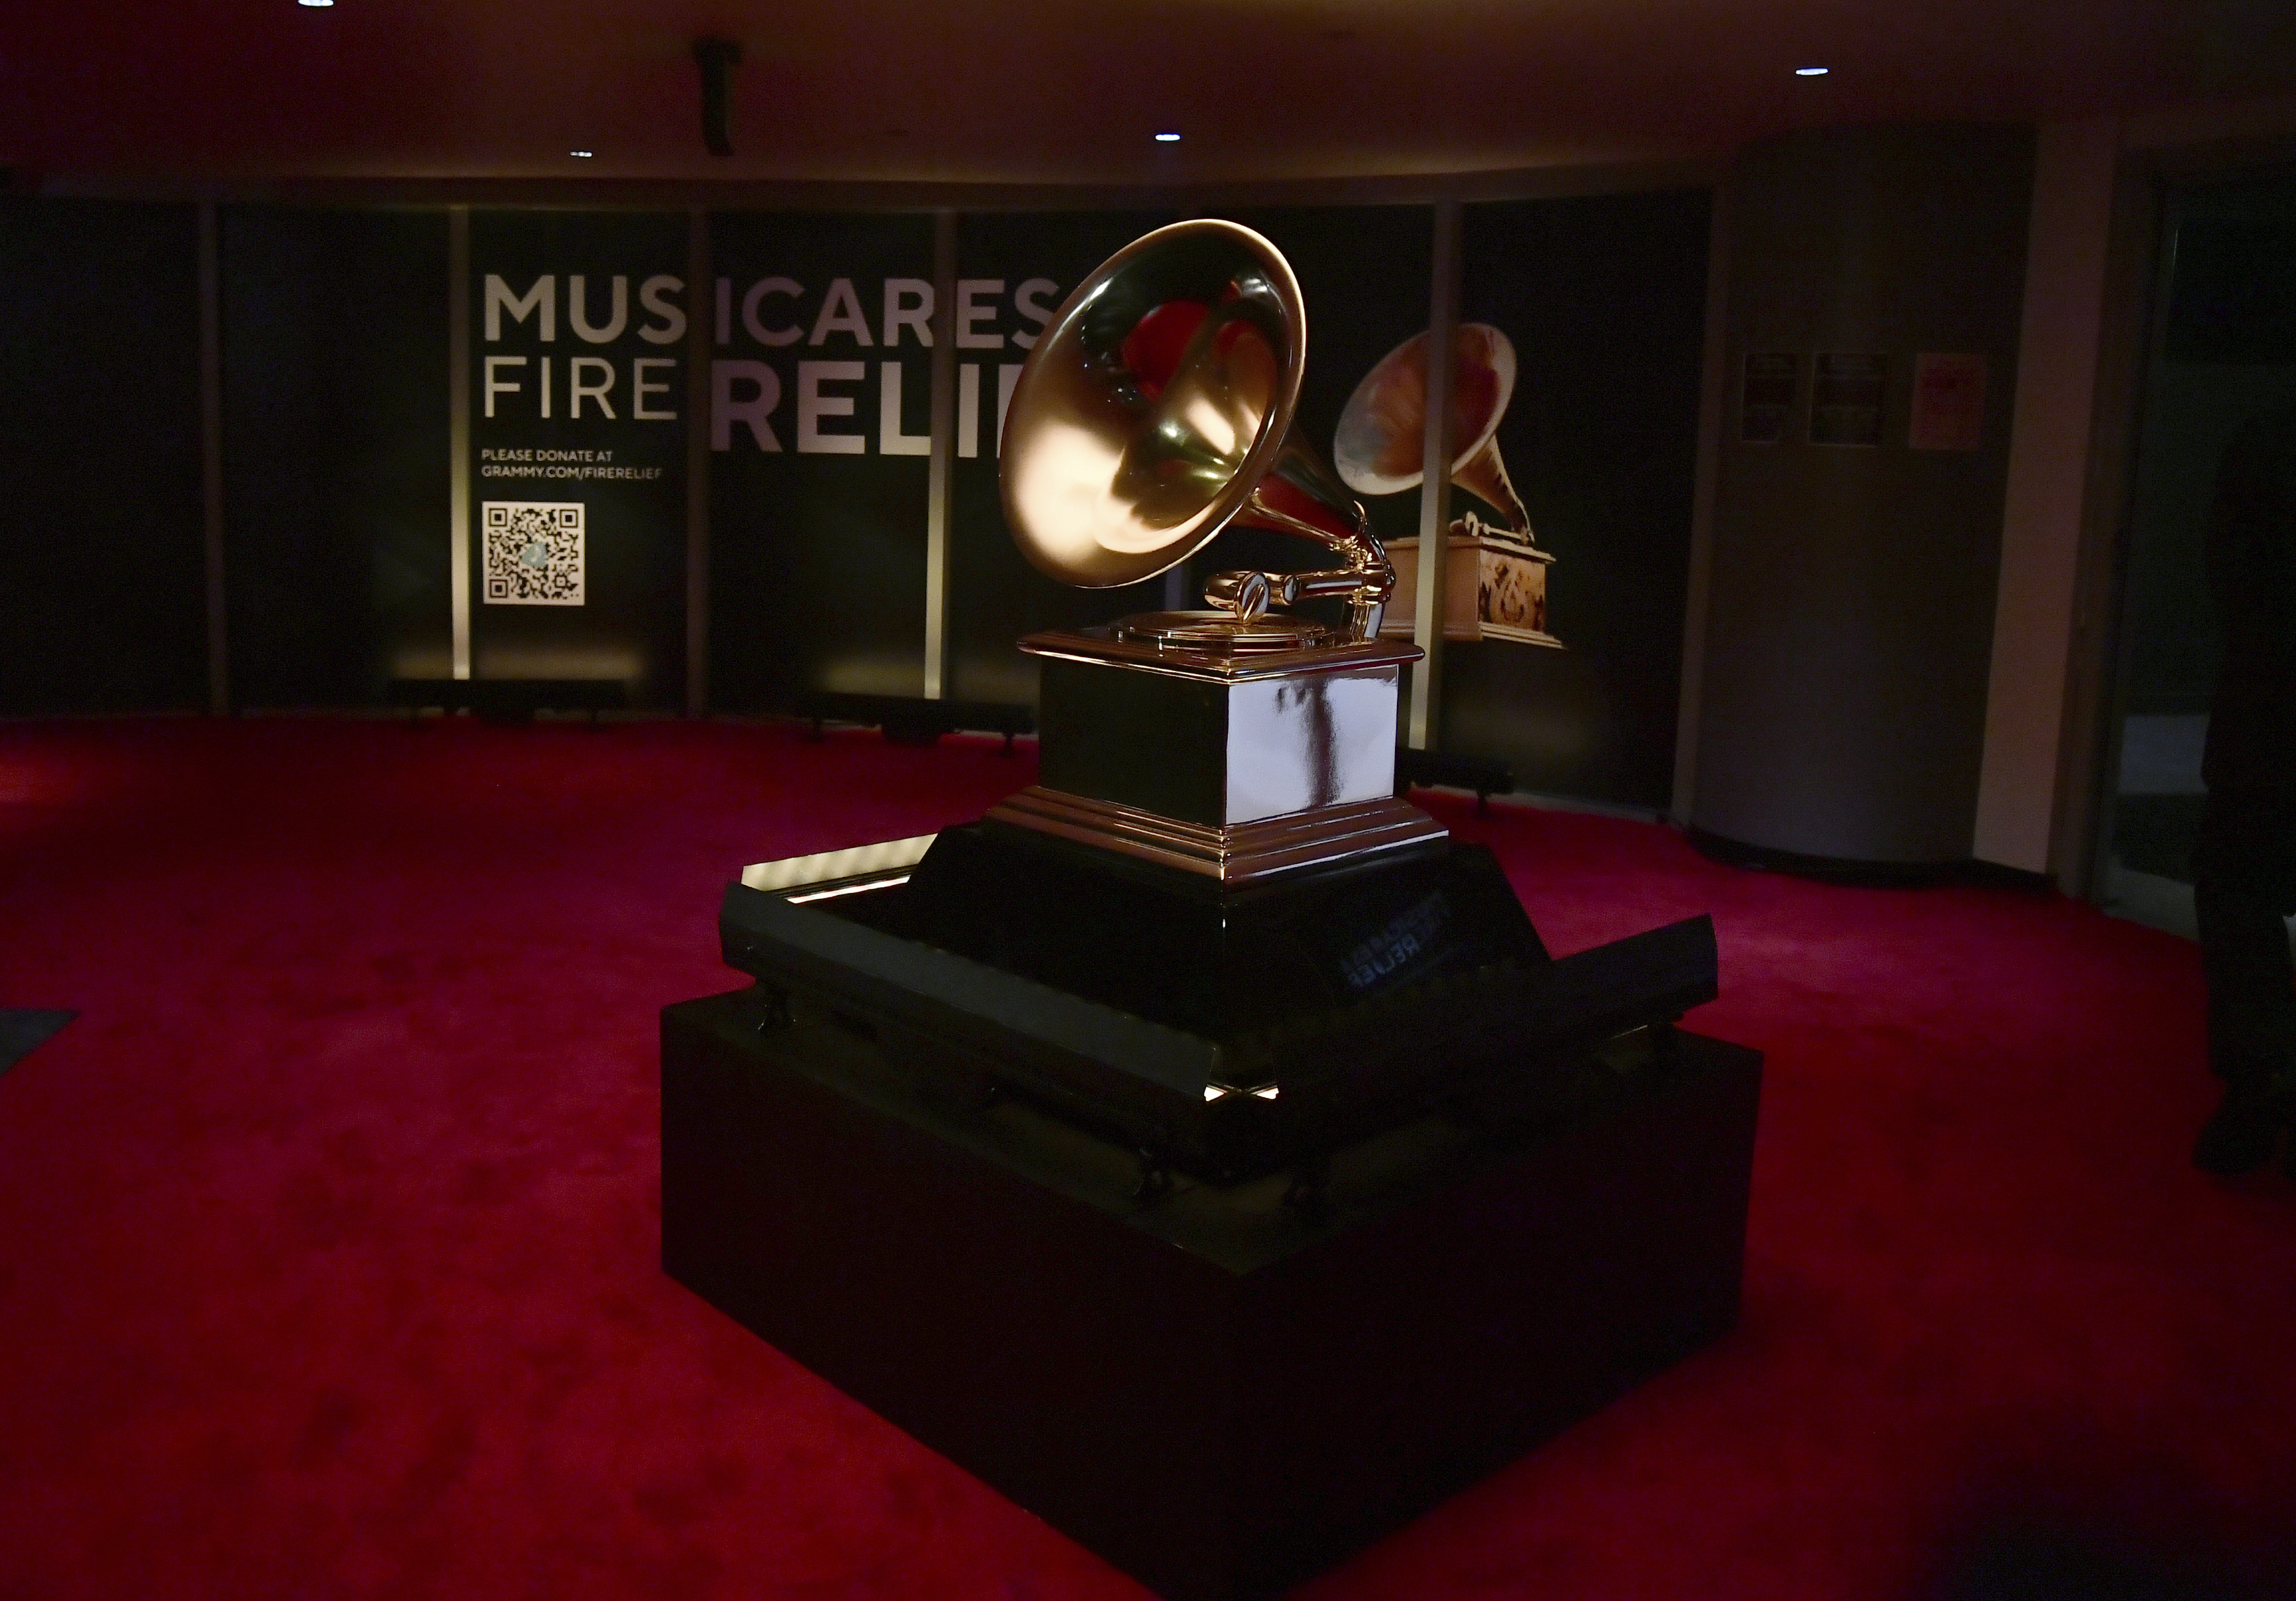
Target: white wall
(2042, 514)
(2053, 434)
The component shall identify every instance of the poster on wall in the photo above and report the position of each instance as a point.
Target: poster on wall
(820, 439)
(1949, 402)
(1766, 398)
(1845, 398)
(1583, 324)
(577, 446)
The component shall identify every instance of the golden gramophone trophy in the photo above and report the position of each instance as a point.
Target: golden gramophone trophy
(1239, 741)
(1210, 930)
(1202, 1147)
(1495, 574)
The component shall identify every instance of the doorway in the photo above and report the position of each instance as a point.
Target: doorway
(2222, 350)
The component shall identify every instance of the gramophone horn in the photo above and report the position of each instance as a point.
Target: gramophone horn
(1156, 409)
(1379, 448)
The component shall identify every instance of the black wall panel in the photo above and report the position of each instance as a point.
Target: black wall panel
(101, 567)
(335, 453)
(1364, 272)
(1604, 298)
(817, 557)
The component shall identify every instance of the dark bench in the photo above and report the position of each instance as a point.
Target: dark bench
(1480, 774)
(913, 719)
(508, 700)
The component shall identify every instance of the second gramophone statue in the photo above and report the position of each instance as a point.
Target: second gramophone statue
(1496, 587)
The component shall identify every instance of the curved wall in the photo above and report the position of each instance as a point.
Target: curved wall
(1853, 586)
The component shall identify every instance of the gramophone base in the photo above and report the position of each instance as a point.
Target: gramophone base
(1236, 854)
(1494, 589)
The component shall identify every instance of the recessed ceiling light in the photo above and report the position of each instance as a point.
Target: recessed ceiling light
(1810, 72)
(583, 153)
(1167, 137)
(314, 3)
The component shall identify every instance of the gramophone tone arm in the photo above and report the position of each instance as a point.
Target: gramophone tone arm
(1367, 599)
(1245, 594)
(1365, 583)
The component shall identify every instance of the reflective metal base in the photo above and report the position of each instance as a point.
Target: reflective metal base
(1203, 752)
(1236, 853)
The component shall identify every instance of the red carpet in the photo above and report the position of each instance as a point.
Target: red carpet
(328, 1231)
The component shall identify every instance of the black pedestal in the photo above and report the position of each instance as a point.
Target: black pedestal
(1228, 1030)
(1219, 1392)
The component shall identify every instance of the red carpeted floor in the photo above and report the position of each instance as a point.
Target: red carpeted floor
(328, 1231)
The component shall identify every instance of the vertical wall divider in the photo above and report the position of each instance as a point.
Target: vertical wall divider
(210, 291)
(698, 393)
(1435, 487)
(1713, 408)
(458, 431)
(940, 480)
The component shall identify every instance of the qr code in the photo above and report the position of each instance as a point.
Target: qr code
(533, 553)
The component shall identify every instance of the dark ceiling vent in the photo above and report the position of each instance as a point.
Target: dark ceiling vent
(717, 58)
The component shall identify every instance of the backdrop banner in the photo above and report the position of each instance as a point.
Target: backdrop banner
(577, 448)
(817, 413)
(820, 433)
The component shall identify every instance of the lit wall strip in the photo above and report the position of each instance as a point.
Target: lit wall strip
(697, 355)
(458, 431)
(1435, 483)
(940, 480)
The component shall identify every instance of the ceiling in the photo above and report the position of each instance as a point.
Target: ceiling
(1042, 91)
